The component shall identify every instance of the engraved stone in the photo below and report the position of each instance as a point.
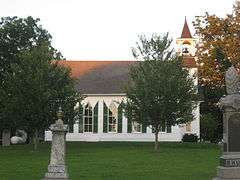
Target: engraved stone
(234, 133)
(57, 168)
(230, 105)
(230, 162)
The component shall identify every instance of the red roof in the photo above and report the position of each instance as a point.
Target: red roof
(79, 68)
(105, 77)
(189, 62)
(99, 77)
(186, 32)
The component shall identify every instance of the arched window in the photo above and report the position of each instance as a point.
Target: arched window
(112, 118)
(136, 126)
(88, 118)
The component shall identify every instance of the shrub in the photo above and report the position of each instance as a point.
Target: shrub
(190, 138)
(210, 128)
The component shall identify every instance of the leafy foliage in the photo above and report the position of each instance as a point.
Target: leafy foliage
(219, 45)
(18, 35)
(153, 48)
(34, 91)
(32, 85)
(160, 92)
(209, 126)
(217, 50)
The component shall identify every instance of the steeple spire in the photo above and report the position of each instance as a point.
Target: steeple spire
(186, 32)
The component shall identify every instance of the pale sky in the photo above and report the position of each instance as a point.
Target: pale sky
(107, 29)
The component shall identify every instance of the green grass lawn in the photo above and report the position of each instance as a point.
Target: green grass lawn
(114, 161)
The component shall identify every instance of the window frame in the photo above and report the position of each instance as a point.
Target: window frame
(133, 129)
(89, 109)
(108, 122)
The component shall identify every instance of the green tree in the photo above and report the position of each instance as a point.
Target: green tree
(18, 35)
(160, 92)
(209, 105)
(35, 89)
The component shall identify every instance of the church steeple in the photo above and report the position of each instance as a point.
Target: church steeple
(186, 32)
(186, 43)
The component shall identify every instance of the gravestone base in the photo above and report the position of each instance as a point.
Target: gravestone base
(58, 172)
(229, 168)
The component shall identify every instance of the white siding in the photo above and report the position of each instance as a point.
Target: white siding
(175, 135)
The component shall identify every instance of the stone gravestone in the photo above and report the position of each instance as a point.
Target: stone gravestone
(229, 167)
(6, 137)
(57, 168)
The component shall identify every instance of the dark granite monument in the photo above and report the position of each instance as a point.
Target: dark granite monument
(229, 168)
(57, 168)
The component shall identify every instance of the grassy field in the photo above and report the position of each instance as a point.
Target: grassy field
(114, 161)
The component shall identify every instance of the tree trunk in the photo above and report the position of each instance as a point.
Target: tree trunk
(156, 141)
(35, 140)
(6, 137)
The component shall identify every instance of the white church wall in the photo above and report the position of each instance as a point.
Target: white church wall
(138, 137)
(124, 124)
(193, 74)
(195, 124)
(175, 135)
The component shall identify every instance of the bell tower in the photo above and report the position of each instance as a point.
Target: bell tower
(186, 43)
(186, 47)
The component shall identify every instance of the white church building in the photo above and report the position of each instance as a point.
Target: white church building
(102, 117)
